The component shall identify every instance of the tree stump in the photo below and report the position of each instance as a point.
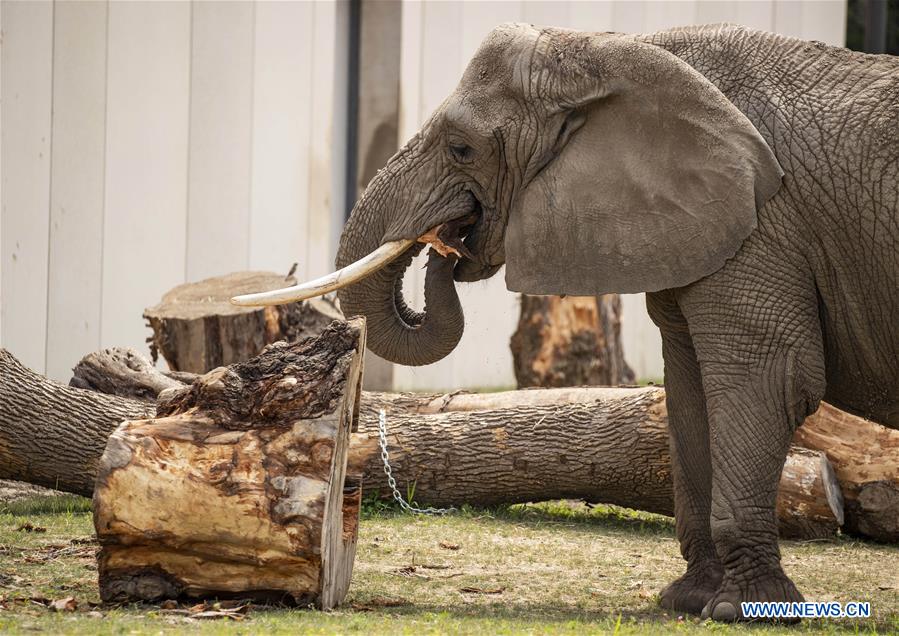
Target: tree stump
(196, 328)
(569, 341)
(238, 486)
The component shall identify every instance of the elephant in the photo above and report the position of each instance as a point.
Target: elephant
(746, 181)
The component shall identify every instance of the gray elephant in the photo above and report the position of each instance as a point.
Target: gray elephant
(749, 182)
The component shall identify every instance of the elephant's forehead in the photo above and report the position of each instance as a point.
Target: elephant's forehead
(475, 111)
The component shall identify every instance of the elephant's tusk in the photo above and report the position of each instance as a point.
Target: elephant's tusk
(320, 286)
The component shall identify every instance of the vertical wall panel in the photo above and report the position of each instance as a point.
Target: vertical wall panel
(547, 13)
(76, 195)
(628, 17)
(592, 16)
(757, 15)
(410, 69)
(824, 20)
(479, 18)
(712, 11)
(788, 17)
(439, 70)
(26, 148)
(491, 311)
(666, 14)
(323, 200)
(146, 163)
(482, 357)
(220, 138)
(281, 127)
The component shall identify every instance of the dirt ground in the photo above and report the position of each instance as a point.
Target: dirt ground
(548, 569)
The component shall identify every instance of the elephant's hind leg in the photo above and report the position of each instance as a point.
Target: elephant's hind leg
(691, 462)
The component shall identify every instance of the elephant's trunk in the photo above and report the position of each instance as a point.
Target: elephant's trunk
(396, 331)
(378, 243)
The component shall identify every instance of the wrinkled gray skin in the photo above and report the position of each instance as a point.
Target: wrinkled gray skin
(610, 163)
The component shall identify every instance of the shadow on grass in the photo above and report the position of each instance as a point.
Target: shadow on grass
(571, 514)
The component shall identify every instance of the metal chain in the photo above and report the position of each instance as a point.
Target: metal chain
(405, 505)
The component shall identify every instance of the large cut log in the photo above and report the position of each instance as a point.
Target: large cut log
(238, 486)
(196, 328)
(569, 341)
(865, 457)
(602, 445)
(479, 415)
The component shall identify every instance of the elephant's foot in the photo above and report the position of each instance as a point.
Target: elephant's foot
(773, 586)
(692, 591)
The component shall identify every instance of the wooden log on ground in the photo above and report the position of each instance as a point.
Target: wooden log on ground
(569, 341)
(865, 458)
(602, 445)
(238, 486)
(121, 371)
(809, 499)
(196, 328)
(410, 410)
(53, 435)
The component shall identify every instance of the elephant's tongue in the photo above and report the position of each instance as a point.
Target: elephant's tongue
(447, 237)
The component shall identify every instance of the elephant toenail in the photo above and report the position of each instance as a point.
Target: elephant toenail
(724, 611)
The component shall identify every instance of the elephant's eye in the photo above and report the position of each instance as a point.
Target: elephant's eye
(460, 152)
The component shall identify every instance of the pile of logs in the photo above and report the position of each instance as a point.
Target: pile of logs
(603, 445)
(246, 479)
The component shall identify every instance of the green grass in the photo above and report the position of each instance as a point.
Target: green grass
(39, 505)
(561, 569)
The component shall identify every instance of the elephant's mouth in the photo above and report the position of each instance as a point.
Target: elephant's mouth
(462, 237)
(465, 238)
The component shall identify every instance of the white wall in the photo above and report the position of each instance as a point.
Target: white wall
(150, 143)
(439, 38)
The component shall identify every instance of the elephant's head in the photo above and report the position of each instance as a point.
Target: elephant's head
(587, 163)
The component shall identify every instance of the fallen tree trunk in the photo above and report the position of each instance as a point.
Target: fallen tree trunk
(238, 486)
(53, 435)
(600, 444)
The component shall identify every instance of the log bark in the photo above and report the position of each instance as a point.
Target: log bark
(237, 486)
(569, 341)
(865, 458)
(196, 328)
(427, 424)
(53, 435)
(123, 372)
(602, 445)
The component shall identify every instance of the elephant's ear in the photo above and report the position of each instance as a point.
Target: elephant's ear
(658, 186)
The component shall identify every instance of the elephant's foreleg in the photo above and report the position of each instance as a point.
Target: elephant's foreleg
(688, 432)
(753, 412)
